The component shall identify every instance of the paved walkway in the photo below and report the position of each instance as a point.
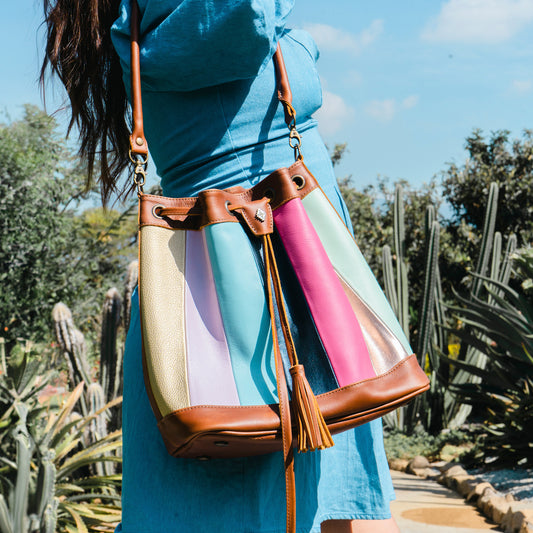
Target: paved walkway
(424, 506)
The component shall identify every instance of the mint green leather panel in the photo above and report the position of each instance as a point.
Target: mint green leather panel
(348, 261)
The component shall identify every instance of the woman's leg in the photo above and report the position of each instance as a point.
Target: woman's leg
(360, 526)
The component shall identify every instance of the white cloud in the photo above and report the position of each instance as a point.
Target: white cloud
(382, 110)
(479, 21)
(410, 101)
(334, 114)
(336, 40)
(385, 110)
(522, 86)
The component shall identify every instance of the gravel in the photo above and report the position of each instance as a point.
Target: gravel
(515, 481)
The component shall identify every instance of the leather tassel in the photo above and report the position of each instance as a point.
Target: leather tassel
(313, 432)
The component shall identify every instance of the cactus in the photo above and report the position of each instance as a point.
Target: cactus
(397, 287)
(402, 285)
(110, 363)
(22, 484)
(490, 256)
(397, 291)
(45, 494)
(73, 344)
(425, 319)
(99, 425)
(110, 354)
(489, 224)
(132, 277)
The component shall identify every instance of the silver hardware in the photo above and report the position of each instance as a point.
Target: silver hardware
(299, 181)
(139, 141)
(228, 205)
(295, 142)
(139, 171)
(155, 208)
(260, 215)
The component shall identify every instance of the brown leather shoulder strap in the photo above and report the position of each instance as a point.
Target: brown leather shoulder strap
(284, 88)
(138, 144)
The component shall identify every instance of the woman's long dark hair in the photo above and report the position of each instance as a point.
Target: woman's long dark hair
(79, 50)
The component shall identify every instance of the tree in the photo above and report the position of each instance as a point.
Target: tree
(47, 252)
(496, 159)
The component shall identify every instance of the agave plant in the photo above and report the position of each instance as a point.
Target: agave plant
(47, 482)
(502, 330)
(439, 408)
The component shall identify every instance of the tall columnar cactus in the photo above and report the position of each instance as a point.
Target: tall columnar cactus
(489, 225)
(47, 502)
(493, 267)
(431, 273)
(132, 277)
(99, 426)
(110, 362)
(397, 290)
(72, 343)
(396, 283)
(22, 484)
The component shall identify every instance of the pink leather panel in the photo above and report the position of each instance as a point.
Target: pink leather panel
(332, 313)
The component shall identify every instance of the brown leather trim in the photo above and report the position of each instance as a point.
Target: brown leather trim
(138, 144)
(210, 206)
(284, 88)
(235, 431)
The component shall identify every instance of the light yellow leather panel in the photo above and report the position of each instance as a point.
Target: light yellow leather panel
(162, 294)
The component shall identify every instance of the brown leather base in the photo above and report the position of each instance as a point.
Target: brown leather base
(206, 431)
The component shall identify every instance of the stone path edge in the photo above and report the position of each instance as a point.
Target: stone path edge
(511, 515)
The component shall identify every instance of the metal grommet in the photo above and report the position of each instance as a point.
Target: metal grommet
(154, 210)
(299, 181)
(227, 204)
(269, 193)
(221, 443)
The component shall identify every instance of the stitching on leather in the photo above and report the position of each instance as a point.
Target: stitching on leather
(323, 395)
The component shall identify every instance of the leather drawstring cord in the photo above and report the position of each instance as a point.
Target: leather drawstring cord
(284, 406)
(312, 431)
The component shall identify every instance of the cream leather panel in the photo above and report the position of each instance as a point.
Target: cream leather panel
(162, 294)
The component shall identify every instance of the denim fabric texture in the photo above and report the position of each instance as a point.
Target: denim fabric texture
(212, 120)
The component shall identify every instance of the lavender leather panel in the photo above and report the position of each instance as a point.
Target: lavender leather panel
(210, 374)
(332, 313)
(239, 283)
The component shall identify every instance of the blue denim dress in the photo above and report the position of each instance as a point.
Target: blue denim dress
(212, 121)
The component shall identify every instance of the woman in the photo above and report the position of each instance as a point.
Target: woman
(212, 121)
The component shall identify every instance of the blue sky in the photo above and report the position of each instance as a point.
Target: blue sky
(404, 82)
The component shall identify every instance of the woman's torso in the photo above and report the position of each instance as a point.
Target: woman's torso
(204, 134)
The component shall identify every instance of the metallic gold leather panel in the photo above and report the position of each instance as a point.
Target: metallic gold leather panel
(384, 348)
(161, 296)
